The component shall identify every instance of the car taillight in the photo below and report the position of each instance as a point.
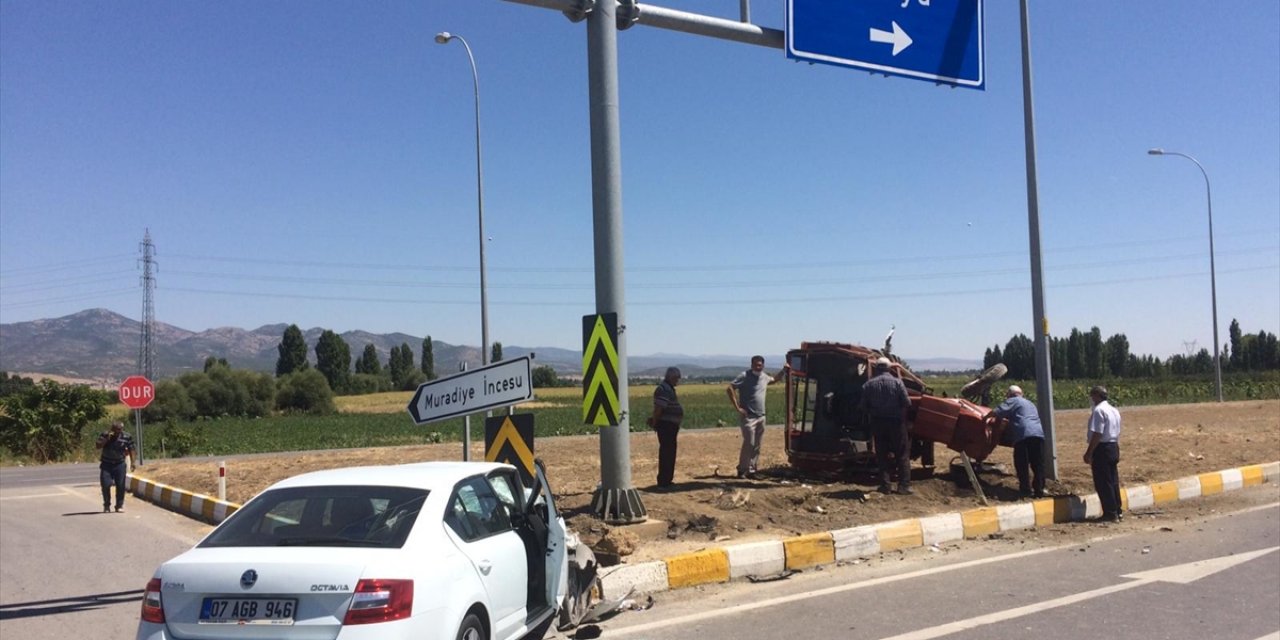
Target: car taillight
(152, 607)
(380, 601)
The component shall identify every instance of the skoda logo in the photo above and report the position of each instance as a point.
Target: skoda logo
(248, 579)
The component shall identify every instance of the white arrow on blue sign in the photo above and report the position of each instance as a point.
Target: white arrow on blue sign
(935, 40)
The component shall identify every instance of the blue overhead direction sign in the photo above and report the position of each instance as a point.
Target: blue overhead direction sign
(936, 40)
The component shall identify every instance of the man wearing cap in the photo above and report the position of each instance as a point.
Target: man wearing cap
(746, 392)
(885, 402)
(666, 418)
(1103, 454)
(1027, 435)
(116, 460)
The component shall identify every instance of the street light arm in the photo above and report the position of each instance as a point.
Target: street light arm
(444, 38)
(1213, 279)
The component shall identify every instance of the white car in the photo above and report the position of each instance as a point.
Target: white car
(436, 550)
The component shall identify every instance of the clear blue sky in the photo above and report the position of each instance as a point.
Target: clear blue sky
(313, 163)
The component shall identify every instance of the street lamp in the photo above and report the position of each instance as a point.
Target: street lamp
(443, 38)
(1213, 279)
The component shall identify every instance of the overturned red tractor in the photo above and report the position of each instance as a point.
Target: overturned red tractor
(827, 431)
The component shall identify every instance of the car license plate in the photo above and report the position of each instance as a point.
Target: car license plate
(247, 610)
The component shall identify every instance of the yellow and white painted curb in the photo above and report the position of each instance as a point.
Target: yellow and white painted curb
(196, 505)
(722, 564)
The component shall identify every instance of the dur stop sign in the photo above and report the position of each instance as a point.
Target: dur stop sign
(136, 392)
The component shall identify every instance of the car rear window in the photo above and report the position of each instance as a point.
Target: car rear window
(323, 516)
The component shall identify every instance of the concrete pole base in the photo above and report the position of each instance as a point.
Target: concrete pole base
(618, 506)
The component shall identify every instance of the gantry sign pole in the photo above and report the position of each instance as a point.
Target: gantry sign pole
(616, 501)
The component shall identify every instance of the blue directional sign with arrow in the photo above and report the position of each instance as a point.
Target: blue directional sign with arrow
(935, 40)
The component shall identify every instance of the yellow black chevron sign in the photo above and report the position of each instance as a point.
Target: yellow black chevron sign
(509, 439)
(600, 404)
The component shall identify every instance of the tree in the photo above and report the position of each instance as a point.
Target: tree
(368, 361)
(428, 359)
(496, 352)
(211, 362)
(305, 391)
(293, 352)
(15, 384)
(1075, 355)
(47, 421)
(1117, 349)
(1093, 356)
(1020, 357)
(171, 403)
(333, 359)
(1237, 358)
(401, 366)
(544, 376)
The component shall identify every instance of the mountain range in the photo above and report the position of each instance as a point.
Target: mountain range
(102, 346)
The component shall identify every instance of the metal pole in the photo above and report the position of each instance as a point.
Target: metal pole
(137, 428)
(466, 427)
(615, 501)
(1044, 377)
(443, 38)
(1213, 278)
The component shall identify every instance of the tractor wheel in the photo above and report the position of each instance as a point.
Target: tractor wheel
(978, 386)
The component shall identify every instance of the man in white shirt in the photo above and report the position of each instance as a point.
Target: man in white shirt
(1103, 453)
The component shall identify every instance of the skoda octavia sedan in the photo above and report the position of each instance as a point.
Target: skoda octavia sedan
(436, 550)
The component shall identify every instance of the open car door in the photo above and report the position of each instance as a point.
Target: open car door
(557, 554)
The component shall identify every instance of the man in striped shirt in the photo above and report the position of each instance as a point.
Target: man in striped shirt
(117, 458)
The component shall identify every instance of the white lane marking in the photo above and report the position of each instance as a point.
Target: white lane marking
(33, 495)
(772, 602)
(1271, 636)
(1178, 574)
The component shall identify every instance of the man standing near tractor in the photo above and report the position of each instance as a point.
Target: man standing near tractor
(885, 401)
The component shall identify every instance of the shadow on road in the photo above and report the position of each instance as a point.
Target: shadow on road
(84, 513)
(67, 605)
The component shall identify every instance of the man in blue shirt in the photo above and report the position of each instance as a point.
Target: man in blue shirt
(1027, 435)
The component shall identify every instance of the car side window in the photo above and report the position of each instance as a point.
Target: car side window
(504, 487)
(475, 511)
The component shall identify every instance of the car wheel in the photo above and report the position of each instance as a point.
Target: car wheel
(978, 386)
(471, 628)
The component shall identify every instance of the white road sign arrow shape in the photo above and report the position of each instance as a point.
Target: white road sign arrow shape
(1178, 574)
(898, 38)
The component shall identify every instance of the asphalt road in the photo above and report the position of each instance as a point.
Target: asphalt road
(1182, 573)
(1207, 568)
(66, 569)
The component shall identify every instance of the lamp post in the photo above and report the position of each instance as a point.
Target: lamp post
(1213, 279)
(443, 38)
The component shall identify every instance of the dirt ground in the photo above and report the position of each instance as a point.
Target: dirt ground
(710, 506)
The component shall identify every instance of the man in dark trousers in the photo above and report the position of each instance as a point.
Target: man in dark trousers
(117, 459)
(666, 418)
(1103, 453)
(1027, 435)
(885, 401)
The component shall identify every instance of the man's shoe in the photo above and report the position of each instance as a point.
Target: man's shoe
(106, 508)
(906, 491)
(884, 488)
(120, 509)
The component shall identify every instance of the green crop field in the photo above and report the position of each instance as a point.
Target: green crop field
(382, 419)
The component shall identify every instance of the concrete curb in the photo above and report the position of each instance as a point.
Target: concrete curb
(722, 564)
(195, 505)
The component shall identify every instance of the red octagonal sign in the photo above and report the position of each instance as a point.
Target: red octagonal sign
(137, 392)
